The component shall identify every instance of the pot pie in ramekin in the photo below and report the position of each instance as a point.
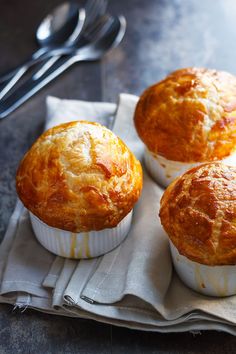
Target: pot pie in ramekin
(187, 119)
(80, 183)
(198, 212)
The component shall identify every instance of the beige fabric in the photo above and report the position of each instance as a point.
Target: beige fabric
(134, 285)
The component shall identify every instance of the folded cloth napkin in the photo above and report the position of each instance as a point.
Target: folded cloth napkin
(132, 286)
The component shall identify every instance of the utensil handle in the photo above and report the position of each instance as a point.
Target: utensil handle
(29, 88)
(22, 70)
(45, 67)
(15, 75)
(8, 75)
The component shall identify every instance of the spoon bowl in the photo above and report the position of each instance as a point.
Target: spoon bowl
(58, 25)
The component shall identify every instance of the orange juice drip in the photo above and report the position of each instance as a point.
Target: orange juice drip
(86, 245)
(73, 245)
(62, 251)
(198, 277)
(80, 252)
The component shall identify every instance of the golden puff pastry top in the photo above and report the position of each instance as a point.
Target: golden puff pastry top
(198, 212)
(79, 176)
(190, 116)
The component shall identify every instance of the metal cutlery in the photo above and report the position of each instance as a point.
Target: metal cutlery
(49, 31)
(66, 19)
(105, 34)
(53, 31)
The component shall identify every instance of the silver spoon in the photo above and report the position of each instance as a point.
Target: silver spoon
(64, 21)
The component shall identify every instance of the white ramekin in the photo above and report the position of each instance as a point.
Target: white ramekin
(165, 171)
(208, 280)
(80, 245)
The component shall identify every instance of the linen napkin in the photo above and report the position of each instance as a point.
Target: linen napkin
(132, 286)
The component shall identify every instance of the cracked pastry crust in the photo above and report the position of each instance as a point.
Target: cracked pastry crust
(79, 176)
(190, 116)
(198, 212)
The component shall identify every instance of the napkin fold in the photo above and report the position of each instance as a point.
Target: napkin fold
(132, 286)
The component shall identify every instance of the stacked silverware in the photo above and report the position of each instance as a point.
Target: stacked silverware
(68, 35)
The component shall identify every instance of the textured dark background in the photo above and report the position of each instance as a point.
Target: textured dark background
(162, 35)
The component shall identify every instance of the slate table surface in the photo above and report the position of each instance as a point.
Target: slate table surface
(162, 35)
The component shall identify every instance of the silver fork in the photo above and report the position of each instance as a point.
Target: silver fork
(109, 33)
(93, 10)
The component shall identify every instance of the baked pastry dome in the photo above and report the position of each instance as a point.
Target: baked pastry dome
(198, 212)
(79, 176)
(190, 116)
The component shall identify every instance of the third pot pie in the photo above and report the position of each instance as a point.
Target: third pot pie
(198, 212)
(187, 119)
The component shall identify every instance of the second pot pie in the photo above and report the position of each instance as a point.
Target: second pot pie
(187, 119)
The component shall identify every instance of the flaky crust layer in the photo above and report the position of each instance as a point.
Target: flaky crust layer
(190, 116)
(79, 176)
(198, 212)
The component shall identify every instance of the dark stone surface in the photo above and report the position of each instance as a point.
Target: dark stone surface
(34, 332)
(161, 36)
(136, 342)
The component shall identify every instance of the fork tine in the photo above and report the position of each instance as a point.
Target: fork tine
(89, 5)
(102, 30)
(103, 6)
(94, 9)
(91, 10)
(98, 28)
